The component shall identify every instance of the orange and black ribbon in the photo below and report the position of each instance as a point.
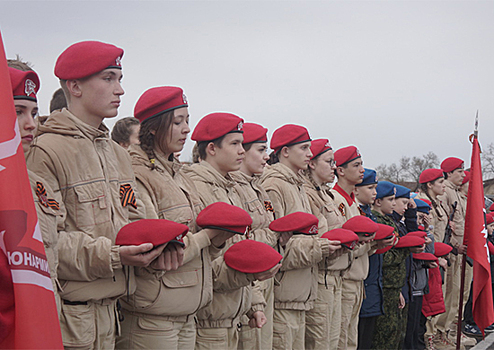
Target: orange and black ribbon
(44, 200)
(127, 196)
(268, 206)
(341, 208)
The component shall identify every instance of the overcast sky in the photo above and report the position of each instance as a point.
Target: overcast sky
(393, 78)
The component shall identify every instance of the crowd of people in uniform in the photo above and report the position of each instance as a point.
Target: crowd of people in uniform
(241, 249)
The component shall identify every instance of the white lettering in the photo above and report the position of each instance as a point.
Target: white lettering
(15, 258)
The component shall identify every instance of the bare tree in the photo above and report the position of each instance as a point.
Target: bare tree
(487, 157)
(409, 169)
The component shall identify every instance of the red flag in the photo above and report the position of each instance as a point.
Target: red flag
(476, 239)
(28, 314)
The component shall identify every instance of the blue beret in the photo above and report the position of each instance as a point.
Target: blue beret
(402, 192)
(422, 206)
(370, 178)
(385, 189)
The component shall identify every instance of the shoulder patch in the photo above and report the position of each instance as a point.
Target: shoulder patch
(43, 199)
(127, 196)
(341, 208)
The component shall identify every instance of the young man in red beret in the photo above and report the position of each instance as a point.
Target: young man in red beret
(219, 138)
(350, 172)
(256, 202)
(93, 179)
(454, 173)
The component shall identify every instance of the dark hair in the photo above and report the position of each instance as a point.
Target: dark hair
(247, 146)
(161, 127)
(273, 158)
(202, 145)
(58, 100)
(122, 129)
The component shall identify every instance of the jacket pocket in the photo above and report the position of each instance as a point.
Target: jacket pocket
(181, 214)
(78, 325)
(280, 336)
(91, 207)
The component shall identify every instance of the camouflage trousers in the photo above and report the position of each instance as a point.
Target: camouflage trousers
(391, 327)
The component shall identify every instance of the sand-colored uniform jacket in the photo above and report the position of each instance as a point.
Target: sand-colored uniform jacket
(48, 213)
(297, 287)
(322, 205)
(169, 194)
(93, 181)
(233, 291)
(450, 196)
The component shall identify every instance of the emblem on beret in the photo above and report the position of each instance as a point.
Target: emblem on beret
(118, 61)
(29, 87)
(179, 238)
(313, 230)
(327, 144)
(394, 190)
(184, 98)
(357, 151)
(240, 126)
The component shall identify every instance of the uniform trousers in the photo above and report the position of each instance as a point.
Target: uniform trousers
(352, 297)
(89, 325)
(388, 333)
(155, 332)
(288, 329)
(217, 338)
(255, 338)
(322, 329)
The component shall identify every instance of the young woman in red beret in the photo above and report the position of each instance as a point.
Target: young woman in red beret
(25, 86)
(431, 186)
(323, 321)
(297, 289)
(160, 314)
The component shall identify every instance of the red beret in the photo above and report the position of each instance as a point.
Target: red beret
(429, 175)
(155, 231)
(216, 125)
(254, 133)
(244, 256)
(25, 85)
(287, 135)
(491, 208)
(442, 249)
(347, 238)
(361, 224)
(466, 178)
(450, 164)
(224, 216)
(319, 146)
(86, 58)
(421, 234)
(345, 155)
(424, 256)
(491, 247)
(384, 232)
(489, 218)
(298, 222)
(383, 250)
(158, 100)
(409, 241)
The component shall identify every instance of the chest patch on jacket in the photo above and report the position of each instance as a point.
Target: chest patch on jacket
(268, 206)
(127, 196)
(341, 208)
(44, 200)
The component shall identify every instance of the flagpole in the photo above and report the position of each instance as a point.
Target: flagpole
(463, 267)
(460, 307)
